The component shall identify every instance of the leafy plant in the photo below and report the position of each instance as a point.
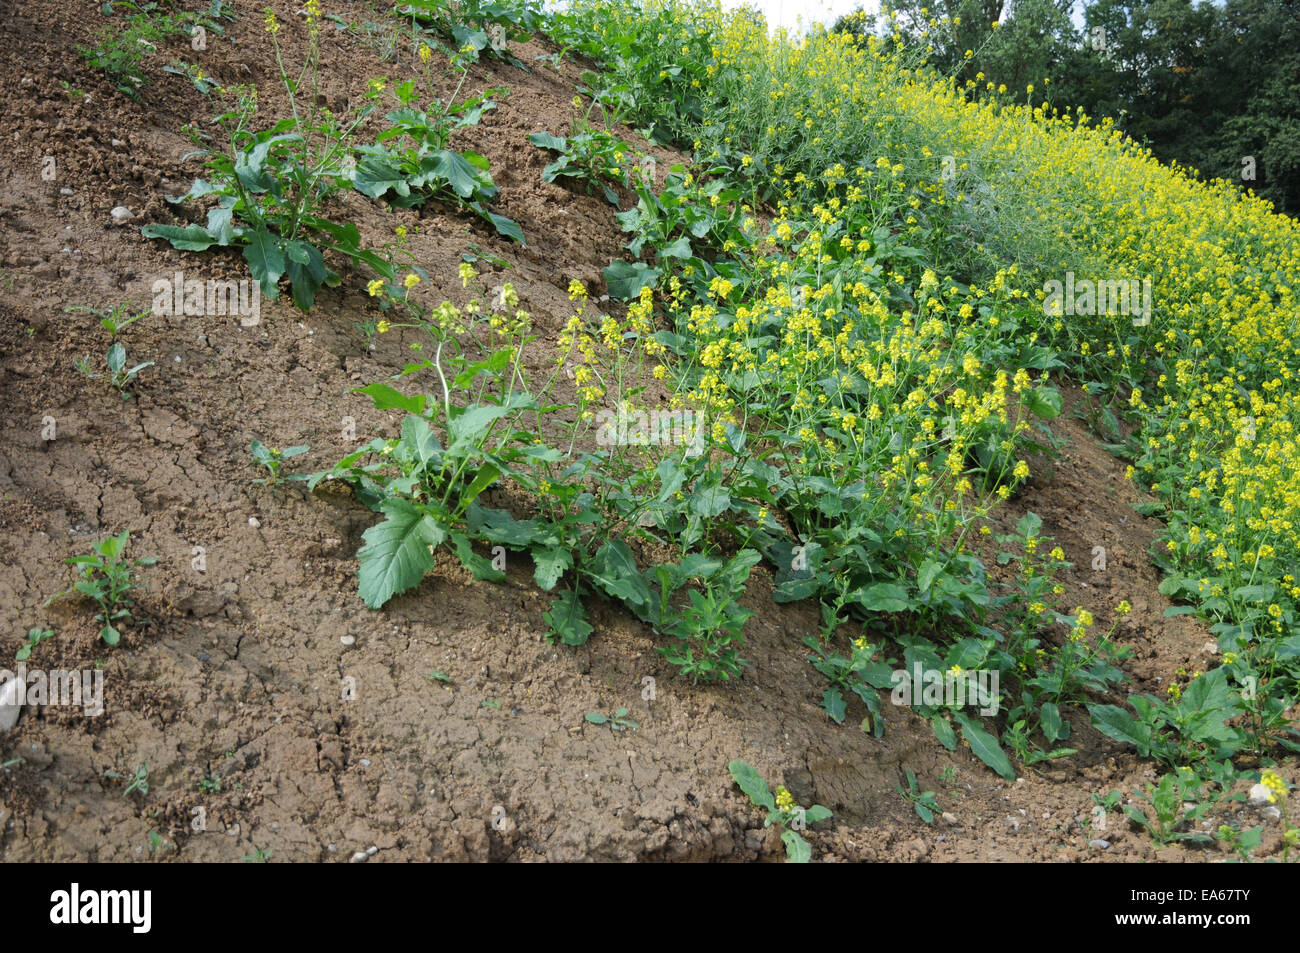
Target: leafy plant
(477, 26)
(618, 721)
(139, 781)
(589, 155)
(273, 459)
(923, 802)
(781, 809)
(118, 374)
(1170, 816)
(410, 158)
(210, 784)
(34, 638)
(108, 578)
(271, 183)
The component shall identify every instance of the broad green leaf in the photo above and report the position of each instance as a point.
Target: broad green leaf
(568, 618)
(883, 597)
(265, 260)
(797, 850)
(626, 279)
(986, 747)
(397, 551)
(1053, 728)
(1114, 722)
(833, 704)
(551, 564)
(386, 397)
(749, 781)
(187, 238)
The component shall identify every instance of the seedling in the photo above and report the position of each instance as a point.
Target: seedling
(157, 843)
(211, 784)
(618, 721)
(138, 782)
(119, 375)
(781, 810)
(115, 320)
(107, 578)
(923, 802)
(492, 703)
(273, 459)
(439, 677)
(259, 856)
(34, 638)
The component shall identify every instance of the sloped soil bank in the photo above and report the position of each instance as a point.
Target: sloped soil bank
(324, 749)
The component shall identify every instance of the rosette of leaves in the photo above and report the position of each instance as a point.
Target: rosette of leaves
(409, 164)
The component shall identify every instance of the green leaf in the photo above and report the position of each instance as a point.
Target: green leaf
(797, 850)
(749, 781)
(986, 747)
(816, 814)
(568, 618)
(1045, 402)
(943, 730)
(544, 140)
(472, 424)
(397, 551)
(595, 717)
(506, 226)
(833, 704)
(480, 566)
(265, 260)
(187, 238)
(386, 397)
(626, 279)
(927, 573)
(551, 564)
(1114, 722)
(1053, 728)
(307, 273)
(883, 597)
(710, 501)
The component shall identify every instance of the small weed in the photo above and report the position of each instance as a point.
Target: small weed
(923, 802)
(618, 721)
(211, 784)
(273, 459)
(781, 810)
(107, 578)
(137, 782)
(259, 856)
(439, 677)
(34, 638)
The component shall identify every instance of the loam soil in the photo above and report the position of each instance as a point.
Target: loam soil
(239, 672)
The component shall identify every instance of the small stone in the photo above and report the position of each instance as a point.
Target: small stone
(1259, 795)
(348, 640)
(372, 851)
(365, 762)
(1099, 843)
(118, 143)
(360, 857)
(11, 703)
(65, 191)
(949, 817)
(254, 522)
(1274, 812)
(1210, 648)
(121, 214)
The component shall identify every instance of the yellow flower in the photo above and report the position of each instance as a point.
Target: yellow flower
(376, 288)
(425, 53)
(1277, 788)
(784, 800)
(1123, 609)
(411, 280)
(577, 290)
(466, 271)
(383, 327)
(272, 24)
(400, 231)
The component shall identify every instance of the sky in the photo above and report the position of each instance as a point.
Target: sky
(787, 13)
